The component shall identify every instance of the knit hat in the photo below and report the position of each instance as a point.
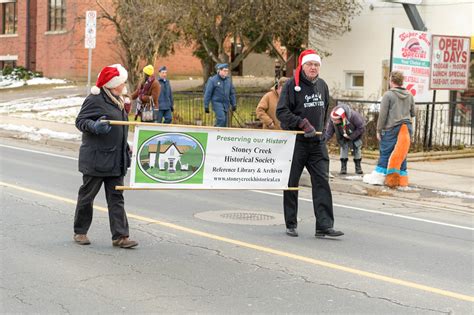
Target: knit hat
(162, 68)
(149, 70)
(110, 77)
(338, 113)
(305, 56)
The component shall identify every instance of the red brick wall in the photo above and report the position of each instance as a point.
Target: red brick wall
(62, 54)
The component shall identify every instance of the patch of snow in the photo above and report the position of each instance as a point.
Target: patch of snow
(456, 194)
(6, 82)
(37, 81)
(357, 177)
(36, 134)
(40, 104)
(64, 87)
(67, 115)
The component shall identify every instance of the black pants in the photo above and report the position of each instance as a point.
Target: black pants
(314, 156)
(115, 203)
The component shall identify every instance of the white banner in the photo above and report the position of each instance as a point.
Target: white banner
(411, 55)
(210, 158)
(450, 60)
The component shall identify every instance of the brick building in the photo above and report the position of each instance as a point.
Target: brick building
(48, 36)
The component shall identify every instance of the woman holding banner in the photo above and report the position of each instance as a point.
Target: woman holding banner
(104, 156)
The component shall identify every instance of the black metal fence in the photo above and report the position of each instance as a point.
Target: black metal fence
(189, 110)
(439, 125)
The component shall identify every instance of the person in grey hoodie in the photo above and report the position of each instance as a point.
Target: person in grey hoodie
(394, 131)
(349, 126)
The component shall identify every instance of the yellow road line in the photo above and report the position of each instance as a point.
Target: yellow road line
(269, 250)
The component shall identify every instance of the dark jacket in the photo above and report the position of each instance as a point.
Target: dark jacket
(166, 96)
(220, 91)
(102, 155)
(312, 102)
(355, 126)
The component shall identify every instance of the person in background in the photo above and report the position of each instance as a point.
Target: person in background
(221, 92)
(349, 126)
(303, 105)
(104, 156)
(166, 97)
(266, 108)
(394, 130)
(147, 93)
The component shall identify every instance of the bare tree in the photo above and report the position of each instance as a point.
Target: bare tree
(145, 30)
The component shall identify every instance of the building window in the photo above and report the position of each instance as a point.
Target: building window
(56, 15)
(9, 17)
(354, 80)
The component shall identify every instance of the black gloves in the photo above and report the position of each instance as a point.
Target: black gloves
(101, 127)
(206, 110)
(308, 129)
(234, 108)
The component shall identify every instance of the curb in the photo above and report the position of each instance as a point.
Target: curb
(429, 156)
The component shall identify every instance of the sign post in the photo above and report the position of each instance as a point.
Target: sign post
(90, 36)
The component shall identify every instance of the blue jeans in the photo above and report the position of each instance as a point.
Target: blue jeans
(221, 116)
(166, 114)
(387, 144)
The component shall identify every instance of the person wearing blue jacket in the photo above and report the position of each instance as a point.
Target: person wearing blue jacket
(166, 98)
(221, 92)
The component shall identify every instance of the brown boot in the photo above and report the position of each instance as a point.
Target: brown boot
(124, 242)
(81, 239)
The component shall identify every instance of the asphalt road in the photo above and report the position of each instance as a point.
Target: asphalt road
(396, 257)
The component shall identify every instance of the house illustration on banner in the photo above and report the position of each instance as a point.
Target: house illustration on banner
(169, 155)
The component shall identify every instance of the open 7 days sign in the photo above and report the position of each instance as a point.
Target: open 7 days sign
(450, 62)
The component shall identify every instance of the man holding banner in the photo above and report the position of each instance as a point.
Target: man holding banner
(303, 105)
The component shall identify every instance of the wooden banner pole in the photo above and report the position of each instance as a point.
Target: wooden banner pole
(194, 188)
(134, 123)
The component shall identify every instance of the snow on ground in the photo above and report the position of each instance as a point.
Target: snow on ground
(456, 194)
(39, 104)
(9, 83)
(36, 134)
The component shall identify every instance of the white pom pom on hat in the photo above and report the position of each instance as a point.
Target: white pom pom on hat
(305, 56)
(95, 90)
(110, 77)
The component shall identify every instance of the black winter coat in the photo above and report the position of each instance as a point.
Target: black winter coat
(105, 155)
(312, 102)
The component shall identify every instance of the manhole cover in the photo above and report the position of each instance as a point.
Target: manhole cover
(242, 217)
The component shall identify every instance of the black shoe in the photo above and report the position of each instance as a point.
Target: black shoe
(292, 232)
(328, 232)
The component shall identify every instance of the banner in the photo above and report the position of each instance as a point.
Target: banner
(411, 55)
(210, 158)
(450, 60)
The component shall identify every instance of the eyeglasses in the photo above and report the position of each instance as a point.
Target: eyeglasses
(312, 64)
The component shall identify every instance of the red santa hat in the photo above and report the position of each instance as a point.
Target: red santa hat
(110, 77)
(338, 113)
(305, 56)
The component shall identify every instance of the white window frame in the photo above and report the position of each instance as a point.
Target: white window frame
(349, 80)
